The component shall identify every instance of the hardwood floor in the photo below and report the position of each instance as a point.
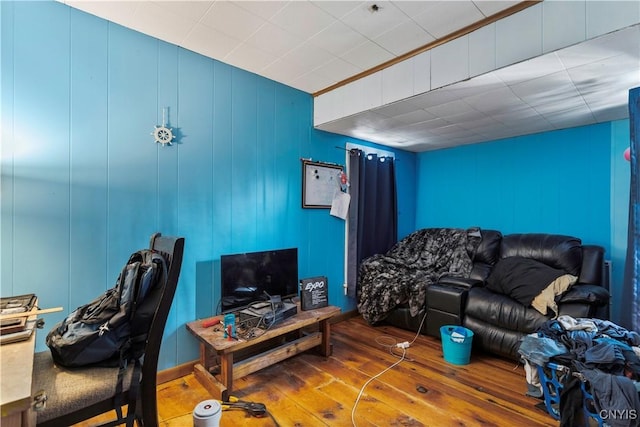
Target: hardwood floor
(422, 390)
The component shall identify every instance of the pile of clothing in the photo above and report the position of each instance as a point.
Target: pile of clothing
(604, 355)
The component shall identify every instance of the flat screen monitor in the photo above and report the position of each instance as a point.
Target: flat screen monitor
(255, 276)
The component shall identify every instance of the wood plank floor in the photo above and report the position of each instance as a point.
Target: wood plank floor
(422, 390)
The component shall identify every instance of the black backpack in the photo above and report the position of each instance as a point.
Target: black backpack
(113, 328)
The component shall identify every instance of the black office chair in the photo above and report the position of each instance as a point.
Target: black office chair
(74, 395)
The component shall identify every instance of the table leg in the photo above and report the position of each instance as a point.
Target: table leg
(226, 371)
(208, 381)
(325, 347)
(202, 371)
(203, 357)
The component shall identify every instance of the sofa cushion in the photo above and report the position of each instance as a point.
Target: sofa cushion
(502, 311)
(557, 251)
(486, 255)
(488, 250)
(586, 294)
(521, 278)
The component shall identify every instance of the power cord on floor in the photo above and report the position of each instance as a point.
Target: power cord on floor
(392, 346)
(353, 411)
(419, 327)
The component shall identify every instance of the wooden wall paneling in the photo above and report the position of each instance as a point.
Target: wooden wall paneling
(244, 158)
(492, 178)
(323, 255)
(223, 208)
(406, 189)
(548, 175)
(88, 157)
(223, 174)
(41, 160)
(88, 184)
(8, 148)
(132, 158)
(268, 173)
(169, 70)
(167, 180)
(290, 141)
(524, 207)
(194, 189)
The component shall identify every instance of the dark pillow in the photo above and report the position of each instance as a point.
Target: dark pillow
(521, 278)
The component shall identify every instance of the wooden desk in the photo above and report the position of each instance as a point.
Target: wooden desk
(214, 346)
(16, 369)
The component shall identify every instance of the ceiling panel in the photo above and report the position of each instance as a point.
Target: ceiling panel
(338, 9)
(147, 15)
(367, 55)
(232, 20)
(193, 10)
(490, 7)
(264, 9)
(446, 17)
(274, 40)
(313, 45)
(404, 37)
(371, 22)
(336, 67)
(302, 18)
(338, 38)
(210, 42)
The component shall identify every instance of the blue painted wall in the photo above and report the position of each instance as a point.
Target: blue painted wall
(84, 185)
(573, 181)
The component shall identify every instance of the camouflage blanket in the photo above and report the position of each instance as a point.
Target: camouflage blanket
(404, 272)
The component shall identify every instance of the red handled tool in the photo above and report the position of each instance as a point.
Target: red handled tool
(210, 322)
(230, 333)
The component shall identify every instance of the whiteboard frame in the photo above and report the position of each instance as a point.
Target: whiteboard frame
(315, 194)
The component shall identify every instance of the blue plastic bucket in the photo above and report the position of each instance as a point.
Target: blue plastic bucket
(456, 344)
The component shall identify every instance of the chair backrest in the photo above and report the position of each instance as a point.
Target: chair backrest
(171, 248)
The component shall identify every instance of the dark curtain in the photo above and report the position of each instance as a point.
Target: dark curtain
(373, 212)
(630, 313)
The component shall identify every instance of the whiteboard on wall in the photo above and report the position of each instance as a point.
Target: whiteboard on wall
(320, 181)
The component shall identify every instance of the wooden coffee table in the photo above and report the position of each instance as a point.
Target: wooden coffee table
(218, 352)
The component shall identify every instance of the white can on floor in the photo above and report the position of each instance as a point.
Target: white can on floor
(207, 414)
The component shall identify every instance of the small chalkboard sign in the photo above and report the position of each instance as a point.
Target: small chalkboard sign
(314, 293)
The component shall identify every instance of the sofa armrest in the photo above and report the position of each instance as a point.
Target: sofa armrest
(462, 282)
(587, 294)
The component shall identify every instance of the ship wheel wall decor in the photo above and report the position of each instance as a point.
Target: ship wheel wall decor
(163, 134)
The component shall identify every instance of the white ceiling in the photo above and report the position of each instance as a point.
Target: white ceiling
(311, 45)
(584, 84)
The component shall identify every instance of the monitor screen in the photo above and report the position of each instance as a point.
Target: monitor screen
(254, 276)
